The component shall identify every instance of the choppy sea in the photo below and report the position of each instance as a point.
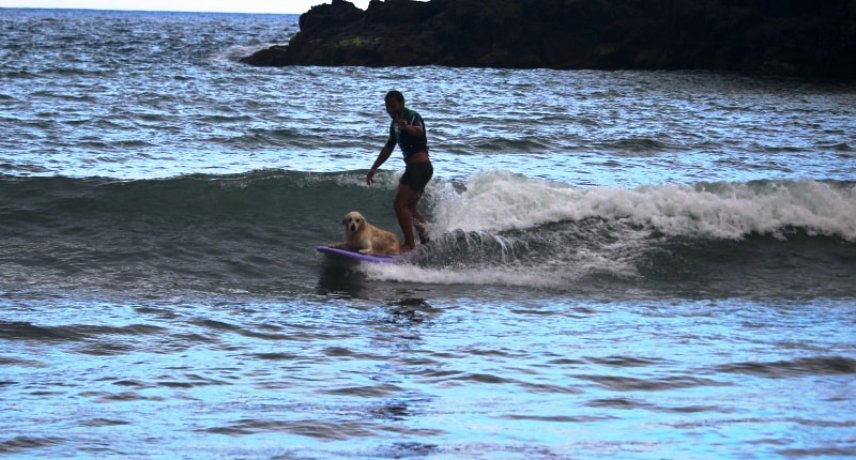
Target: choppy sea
(624, 264)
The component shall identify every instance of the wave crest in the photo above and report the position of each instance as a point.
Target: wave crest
(498, 201)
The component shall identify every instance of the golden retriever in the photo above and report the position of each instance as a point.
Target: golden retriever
(365, 238)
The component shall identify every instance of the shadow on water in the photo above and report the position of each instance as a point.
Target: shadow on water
(411, 311)
(341, 277)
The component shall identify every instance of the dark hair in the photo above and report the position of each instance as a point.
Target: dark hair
(394, 95)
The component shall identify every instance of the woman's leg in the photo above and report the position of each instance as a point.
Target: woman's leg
(420, 223)
(405, 210)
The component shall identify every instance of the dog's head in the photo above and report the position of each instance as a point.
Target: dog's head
(353, 221)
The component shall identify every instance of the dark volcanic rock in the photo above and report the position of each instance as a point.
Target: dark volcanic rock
(801, 37)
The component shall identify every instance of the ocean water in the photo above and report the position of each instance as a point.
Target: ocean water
(623, 264)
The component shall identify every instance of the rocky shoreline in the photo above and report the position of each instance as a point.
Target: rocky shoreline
(815, 38)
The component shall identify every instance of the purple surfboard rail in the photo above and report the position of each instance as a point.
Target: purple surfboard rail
(356, 256)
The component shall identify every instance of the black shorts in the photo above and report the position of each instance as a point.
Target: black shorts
(417, 175)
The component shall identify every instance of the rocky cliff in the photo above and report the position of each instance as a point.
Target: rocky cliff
(800, 37)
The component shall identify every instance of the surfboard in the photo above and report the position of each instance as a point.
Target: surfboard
(356, 256)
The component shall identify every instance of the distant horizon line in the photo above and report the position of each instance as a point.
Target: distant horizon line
(114, 10)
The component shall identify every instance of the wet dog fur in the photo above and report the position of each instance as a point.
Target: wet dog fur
(365, 238)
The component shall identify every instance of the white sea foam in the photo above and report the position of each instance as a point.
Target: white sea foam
(504, 276)
(497, 201)
(549, 275)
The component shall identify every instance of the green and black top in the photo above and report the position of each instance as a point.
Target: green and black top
(409, 144)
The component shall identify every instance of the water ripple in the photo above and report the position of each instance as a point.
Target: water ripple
(833, 365)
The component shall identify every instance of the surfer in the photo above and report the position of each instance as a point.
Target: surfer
(408, 131)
